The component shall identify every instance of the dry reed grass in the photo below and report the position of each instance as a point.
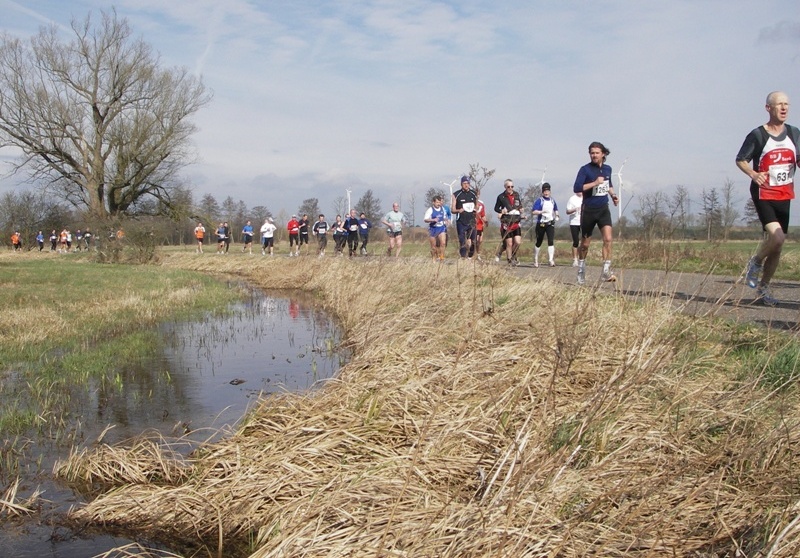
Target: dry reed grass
(11, 506)
(481, 415)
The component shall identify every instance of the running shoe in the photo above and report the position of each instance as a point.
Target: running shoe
(552, 263)
(535, 264)
(752, 273)
(581, 275)
(765, 297)
(514, 261)
(608, 275)
(497, 259)
(575, 263)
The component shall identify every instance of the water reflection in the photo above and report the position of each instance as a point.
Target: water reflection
(204, 376)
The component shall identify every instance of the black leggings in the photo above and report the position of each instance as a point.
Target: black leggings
(352, 242)
(340, 240)
(548, 230)
(575, 230)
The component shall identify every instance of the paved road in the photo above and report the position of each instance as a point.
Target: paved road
(692, 293)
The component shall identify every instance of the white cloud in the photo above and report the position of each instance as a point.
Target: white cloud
(388, 94)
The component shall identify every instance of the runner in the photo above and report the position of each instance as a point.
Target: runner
(62, 241)
(221, 234)
(546, 211)
(247, 237)
(393, 221)
(437, 221)
(594, 180)
(463, 204)
(509, 208)
(774, 149)
(480, 224)
(40, 240)
(293, 226)
(87, 239)
(53, 240)
(228, 236)
(574, 211)
(351, 226)
(363, 230)
(268, 236)
(78, 240)
(199, 234)
(16, 241)
(303, 233)
(321, 232)
(339, 236)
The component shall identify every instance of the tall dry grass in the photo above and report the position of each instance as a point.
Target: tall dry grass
(481, 415)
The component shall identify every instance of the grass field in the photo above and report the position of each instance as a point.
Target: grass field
(483, 415)
(688, 256)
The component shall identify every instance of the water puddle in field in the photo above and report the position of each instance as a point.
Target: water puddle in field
(205, 378)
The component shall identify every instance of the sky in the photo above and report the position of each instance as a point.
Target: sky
(311, 99)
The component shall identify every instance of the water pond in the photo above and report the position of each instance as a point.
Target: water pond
(202, 381)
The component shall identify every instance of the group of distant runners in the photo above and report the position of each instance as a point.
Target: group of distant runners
(351, 233)
(769, 156)
(61, 242)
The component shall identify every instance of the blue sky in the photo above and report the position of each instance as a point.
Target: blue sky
(312, 98)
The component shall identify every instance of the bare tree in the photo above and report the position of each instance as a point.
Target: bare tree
(679, 217)
(339, 206)
(729, 212)
(652, 215)
(97, 118)
(479, 176)
(412, 211)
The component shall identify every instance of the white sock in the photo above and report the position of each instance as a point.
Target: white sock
(551, 252)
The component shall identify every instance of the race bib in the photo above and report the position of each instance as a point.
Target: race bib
(781, 175)
(397, 227)
(468, 207)
(353, 228)
(601, 189)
